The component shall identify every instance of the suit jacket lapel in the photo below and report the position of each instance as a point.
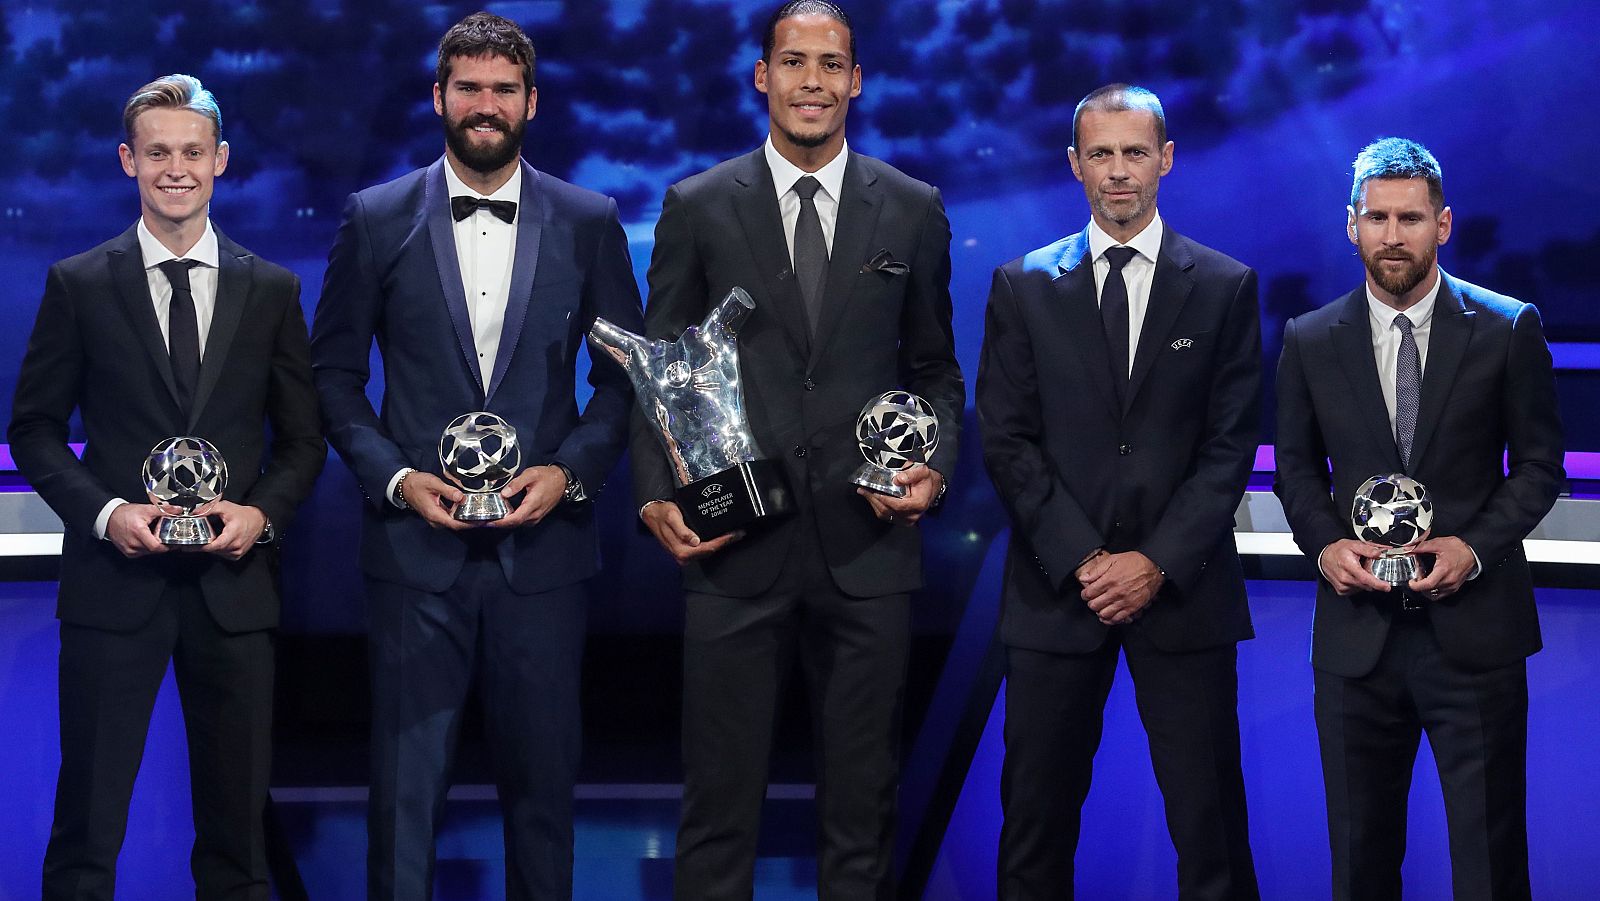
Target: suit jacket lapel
(1074, 285)
(755, 201)
(441, 232)
(858, 220)
(133, 288)
(531, 213)
(1169, 290)
(235, 278)
(1352, 346)
(1448, 337)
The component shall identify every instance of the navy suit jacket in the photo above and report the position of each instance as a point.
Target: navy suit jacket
(1161, 473)
(97, 348)
(881, 327)
(1488, 399)
(393, 276)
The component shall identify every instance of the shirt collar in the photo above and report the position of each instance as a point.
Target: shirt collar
(1146, 242)
(785, 173)
(511, 190)
(1419, 313)
(155, 253)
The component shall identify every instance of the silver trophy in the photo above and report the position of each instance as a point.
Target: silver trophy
(693, 400)
(1393, 510)
(479, 452)
(895, 431)
(181, 475)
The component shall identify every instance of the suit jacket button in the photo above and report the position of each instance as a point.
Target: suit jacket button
(809, 385)
(799, 451)
(1125, 450)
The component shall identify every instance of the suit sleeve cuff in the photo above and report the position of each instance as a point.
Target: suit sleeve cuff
(102, 521)
(394, 481)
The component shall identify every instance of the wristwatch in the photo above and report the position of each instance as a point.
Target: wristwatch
(573, 493)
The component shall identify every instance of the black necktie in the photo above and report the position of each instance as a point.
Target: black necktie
(463, 206)
(183, 330)
(1407, 389)
(1114, 314)
(810, 249)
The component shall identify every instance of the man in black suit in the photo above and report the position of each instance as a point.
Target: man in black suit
(848, 262)
(1118, 398)
(1420, 373)
(478, 277)
(168, 329)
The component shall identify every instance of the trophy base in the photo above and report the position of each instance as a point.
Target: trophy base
(873, 477)
(184, 531)
(1395, 568)
(734, 498)
(481, 506)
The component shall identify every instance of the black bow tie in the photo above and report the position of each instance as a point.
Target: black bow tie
(463, 206)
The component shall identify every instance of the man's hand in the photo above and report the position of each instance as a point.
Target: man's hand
(1453, 561)
(923, 486)
(544, 484)
(1344, 565)
(131, 529)
(1120, 590)
(1092, 568)
(433, 499)
(665, 521)
(241, 526)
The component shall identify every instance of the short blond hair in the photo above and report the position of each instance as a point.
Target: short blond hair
(176, 91)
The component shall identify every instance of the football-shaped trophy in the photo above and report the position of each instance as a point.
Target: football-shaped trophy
(895, 431)
(1393, 510)
(183, 474)
(693, 400)
(479, 452)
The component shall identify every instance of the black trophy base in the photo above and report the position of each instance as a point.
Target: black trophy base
(734, 498)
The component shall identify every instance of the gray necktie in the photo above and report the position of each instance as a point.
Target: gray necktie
(1407, 389)
(810, 249)
(183, 330)
(1114, 313)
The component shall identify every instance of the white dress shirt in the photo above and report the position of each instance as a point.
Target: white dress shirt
(202, 287)
(486, 247)
(785, 174)
(1137, 274)
(1386, 339)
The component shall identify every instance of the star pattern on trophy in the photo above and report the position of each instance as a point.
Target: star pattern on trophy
(480, 451)
(185, 472)
(898, 430)
(1392, 510)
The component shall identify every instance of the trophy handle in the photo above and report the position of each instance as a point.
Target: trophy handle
(617, 343)
(729, 313)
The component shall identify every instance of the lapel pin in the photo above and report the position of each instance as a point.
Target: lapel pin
(1183, 344)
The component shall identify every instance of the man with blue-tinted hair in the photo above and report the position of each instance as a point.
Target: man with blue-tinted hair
(1420, 373)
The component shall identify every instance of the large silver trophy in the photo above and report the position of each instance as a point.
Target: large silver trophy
(691, 395)
(479, 452)
(181, 475)
(895, 431)
(1393, 510)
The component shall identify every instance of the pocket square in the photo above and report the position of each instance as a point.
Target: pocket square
(1183, 344)
(883, 261)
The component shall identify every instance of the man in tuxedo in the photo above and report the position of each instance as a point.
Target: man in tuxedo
(168, 329)
(478, 277)
(1420, 373)
(848, 262)
(1118, 398)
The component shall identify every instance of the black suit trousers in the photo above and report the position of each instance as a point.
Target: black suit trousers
(108, 686)
(525, 653)
(1477, 726)
(1188, 703)
(738, 653)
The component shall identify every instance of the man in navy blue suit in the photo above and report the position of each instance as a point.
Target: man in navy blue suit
(478, 276)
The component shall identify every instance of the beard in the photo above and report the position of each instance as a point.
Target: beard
(1144, 199)
(812, 140)
(484, 158)
(1398, 284)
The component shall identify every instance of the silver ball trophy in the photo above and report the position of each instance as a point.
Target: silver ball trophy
(184, 474)
(1393, 510)
(895, 431)
(693, 399)
(479, 452)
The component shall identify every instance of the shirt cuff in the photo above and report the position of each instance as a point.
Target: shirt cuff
(1320, 570)
(388, 493)
(1477, 565)
(104, 519)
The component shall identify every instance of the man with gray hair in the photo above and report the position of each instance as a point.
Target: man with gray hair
(1420, 373)
(1121, 493)
(168, 329)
